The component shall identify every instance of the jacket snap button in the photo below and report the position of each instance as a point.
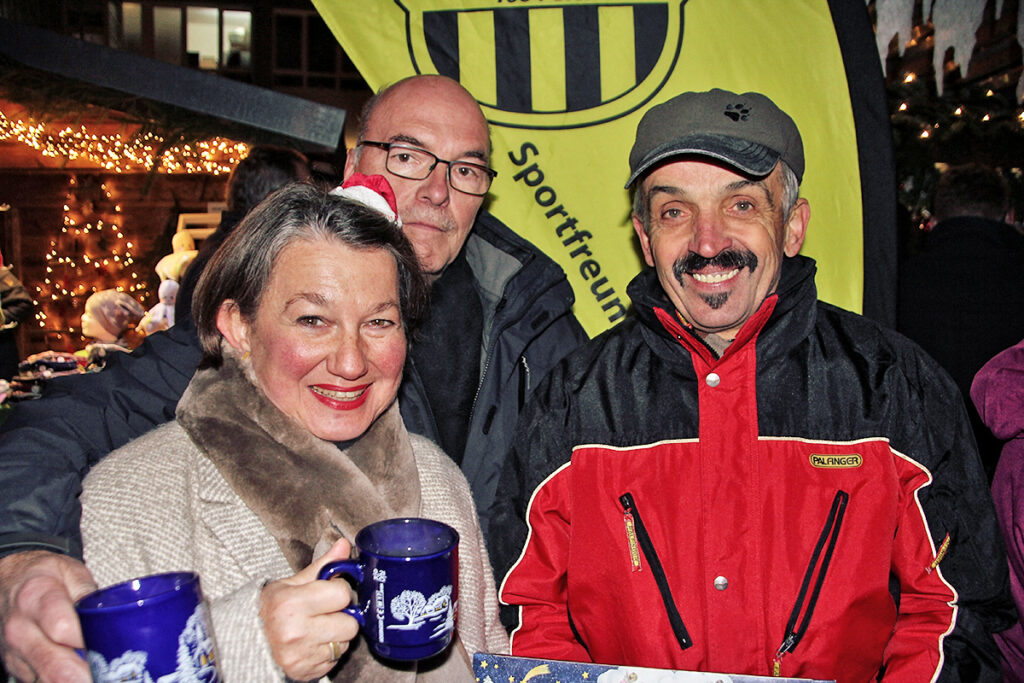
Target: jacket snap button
(713, 379)
(721, 583)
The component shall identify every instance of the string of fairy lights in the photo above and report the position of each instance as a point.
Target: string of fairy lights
(959, 111)
(120, 154)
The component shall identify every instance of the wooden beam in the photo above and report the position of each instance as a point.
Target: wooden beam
(314, 126)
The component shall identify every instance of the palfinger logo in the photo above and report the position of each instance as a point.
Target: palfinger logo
(548, 64)
(836, 460)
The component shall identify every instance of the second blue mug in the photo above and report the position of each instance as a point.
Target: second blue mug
(152, 629)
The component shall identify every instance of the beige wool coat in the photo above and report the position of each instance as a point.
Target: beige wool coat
(161, 504)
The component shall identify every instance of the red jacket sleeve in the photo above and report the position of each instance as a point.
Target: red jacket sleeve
(927, 607)
(537, 582)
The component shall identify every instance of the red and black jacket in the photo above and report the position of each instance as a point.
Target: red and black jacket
(810, 504)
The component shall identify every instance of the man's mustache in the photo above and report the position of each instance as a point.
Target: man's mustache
(437, 217)
(730, 258)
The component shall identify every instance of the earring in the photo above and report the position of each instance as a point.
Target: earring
(245, 356)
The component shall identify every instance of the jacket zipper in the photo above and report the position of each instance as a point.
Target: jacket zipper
(816, 571)
(637, 533)
(492, 343)
(524, 381)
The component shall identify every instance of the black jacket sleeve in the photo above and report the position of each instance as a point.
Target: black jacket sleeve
(48, 445)
(15, 300)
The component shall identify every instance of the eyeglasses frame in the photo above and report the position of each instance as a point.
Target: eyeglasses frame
(386, 146)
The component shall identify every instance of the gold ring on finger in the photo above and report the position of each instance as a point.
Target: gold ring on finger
(336, 649)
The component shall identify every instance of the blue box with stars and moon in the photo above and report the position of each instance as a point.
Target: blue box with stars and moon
(505, 669)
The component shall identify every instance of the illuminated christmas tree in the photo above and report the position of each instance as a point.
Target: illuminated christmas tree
(89, 254)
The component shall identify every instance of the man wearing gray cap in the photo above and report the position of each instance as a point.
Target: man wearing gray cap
(741, 478)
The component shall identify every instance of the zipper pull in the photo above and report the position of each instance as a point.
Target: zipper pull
(634, 550)
(786, 646)
(943, 549)
(626, 500)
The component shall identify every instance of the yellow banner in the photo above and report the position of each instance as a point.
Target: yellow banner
(565, 82)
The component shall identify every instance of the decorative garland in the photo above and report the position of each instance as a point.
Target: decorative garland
(142, 150)
(166, 139)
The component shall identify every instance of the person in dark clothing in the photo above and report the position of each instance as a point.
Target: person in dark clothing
(16, 306)
(266, 168)
(409, 133)
(962, 296)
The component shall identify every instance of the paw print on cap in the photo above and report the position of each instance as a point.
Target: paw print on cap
(737, 112)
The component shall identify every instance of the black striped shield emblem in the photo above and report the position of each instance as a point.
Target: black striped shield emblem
(548, 63)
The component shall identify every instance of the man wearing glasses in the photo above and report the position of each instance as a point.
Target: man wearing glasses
(500, 309)
(500, 319)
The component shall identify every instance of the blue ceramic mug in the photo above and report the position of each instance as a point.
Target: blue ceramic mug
(407, 583)
(154, 629)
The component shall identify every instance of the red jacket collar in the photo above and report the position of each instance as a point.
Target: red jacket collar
(687, 336)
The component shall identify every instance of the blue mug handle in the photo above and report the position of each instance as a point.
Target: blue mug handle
(353, 570)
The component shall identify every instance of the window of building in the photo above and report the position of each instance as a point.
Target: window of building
(306, 53)
(86, 21)
(236, 39)
(218, 38)
(131, 25)
(202, 37)
(167, 34)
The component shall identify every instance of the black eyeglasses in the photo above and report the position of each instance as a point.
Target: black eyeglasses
(417, 164)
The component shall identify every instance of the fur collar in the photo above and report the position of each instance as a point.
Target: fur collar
(306, 491)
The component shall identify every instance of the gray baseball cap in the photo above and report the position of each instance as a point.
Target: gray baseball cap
(748, 132)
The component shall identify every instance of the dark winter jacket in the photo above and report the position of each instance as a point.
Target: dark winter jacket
(47, 446)
(528, 328)
(810, 504)
(962, 299)
(15, 308)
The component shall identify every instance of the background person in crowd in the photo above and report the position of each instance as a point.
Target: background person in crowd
(412, 133)
(998, 394)
(288, 439)
(15, 308)
(962, 296)
(263, 170)
(733, 479)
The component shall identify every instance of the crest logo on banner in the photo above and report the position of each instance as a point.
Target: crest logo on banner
(548, 66)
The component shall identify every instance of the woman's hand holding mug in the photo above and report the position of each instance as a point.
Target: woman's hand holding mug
(303, 621)
(407, 580)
